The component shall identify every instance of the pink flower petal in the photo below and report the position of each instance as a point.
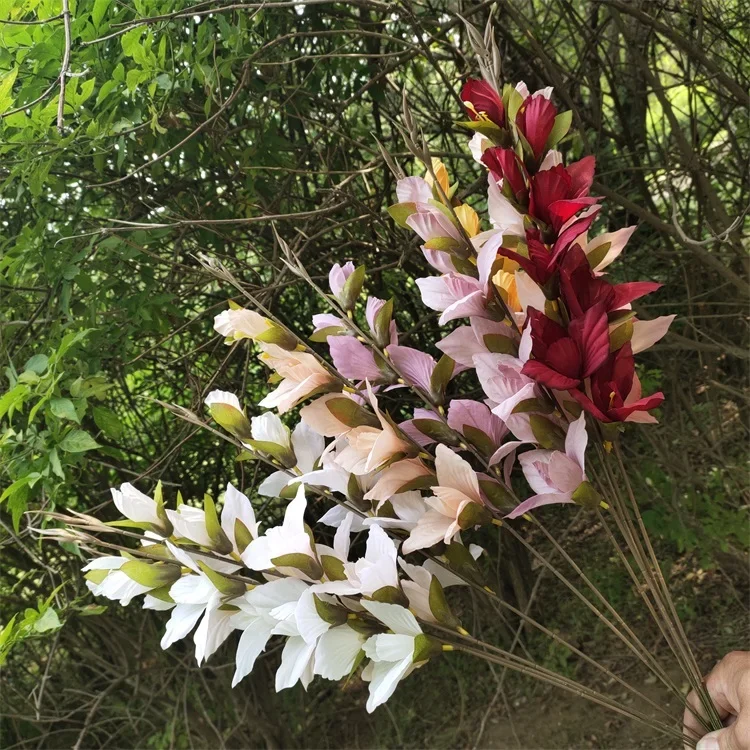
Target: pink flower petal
(537, 501)
(353, 359)
(415, 366)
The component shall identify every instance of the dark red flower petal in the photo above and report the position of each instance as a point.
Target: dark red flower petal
(564, 357)
(633, 290)
(623, 370)
(544, 332)
(527, 264)
(643, 404)
(546, 376)
(581, 289)
(542, 260)
(591, 334)
(561, 211)
(575, 230)
(535, 121)
(483, 99)
(548, 187)
(503, 163)
(589, 405)
(582, 175)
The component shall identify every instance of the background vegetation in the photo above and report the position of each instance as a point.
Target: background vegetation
(135, 135)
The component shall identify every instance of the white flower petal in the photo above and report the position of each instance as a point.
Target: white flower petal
(393, 616)
(385, 677)
(294, 660)
(252, 642)
(337, 652)
(182, 621)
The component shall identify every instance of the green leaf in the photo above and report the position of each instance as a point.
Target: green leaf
(321, 335)
(300, 561)
(439, 605)
(559, 129)
(150, 574)
(329, 613)
(38, 363)
(462, 562)
(436, 430)
(48, 621)
(13, 399)
(350, 413)
(498, 495)
(131, 41)
(70, 339)
(485, 127)
(242, 535)
(87, 88)
(108, 422)
(473, 514)
(499, 344)
(5, 638)
(281, 453)
(620, 336)
(6, 89)
(18, 484)
(382, 323)
(586, 495)
(54, 462)
(64, 408)
(400, 212)
(441, 376)
(17, 504)
(619, 316)
(479, 438)
(515, 100)
(106, 89)
(232, 420)
(352, 288)
(535, 405)
(221, 543)
(425, 647)
(92, 610)
(596, 256)
(227, 586)
(444, 244)
(547, 433)
(99, 11)
(390, 595)
(333, 568)
(78, 441)
(276, 335)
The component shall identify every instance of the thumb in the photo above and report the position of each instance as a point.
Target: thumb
(721, 739)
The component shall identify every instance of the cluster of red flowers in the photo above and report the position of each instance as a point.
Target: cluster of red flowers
(581, 341)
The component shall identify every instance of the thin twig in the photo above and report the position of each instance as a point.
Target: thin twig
(65, 65)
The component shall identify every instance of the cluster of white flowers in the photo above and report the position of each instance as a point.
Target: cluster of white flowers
(221, 572)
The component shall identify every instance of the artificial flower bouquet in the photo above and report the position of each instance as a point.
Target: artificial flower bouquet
(551, 341)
